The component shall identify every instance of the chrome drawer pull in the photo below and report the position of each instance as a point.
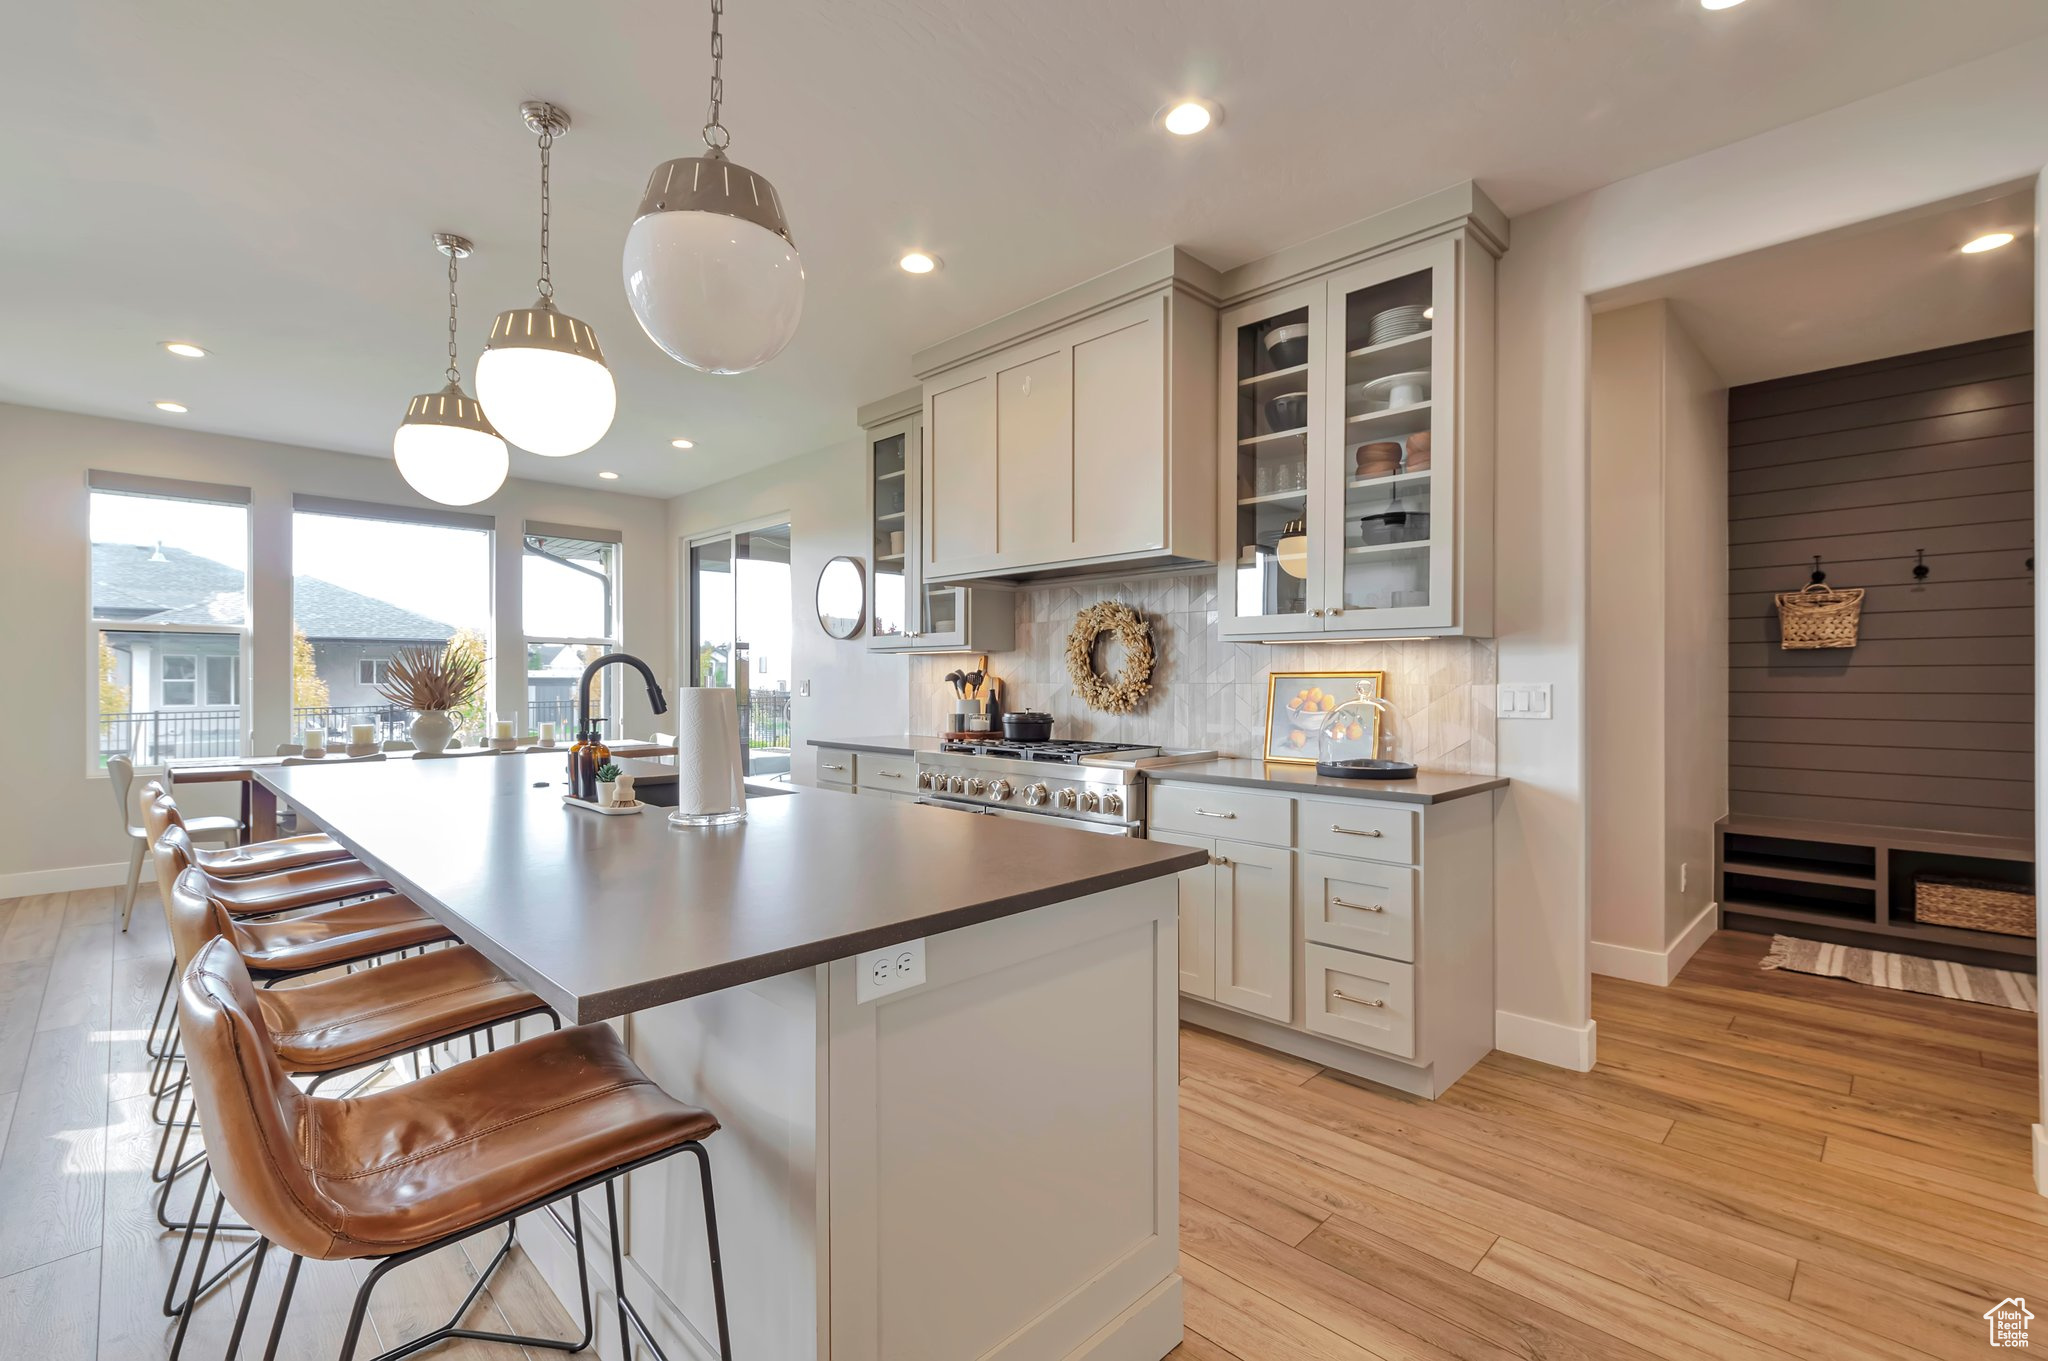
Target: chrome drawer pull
(1343, 996)
(1353, 831)
(886, 774)
(1221, 859)
(832, 767)
(1206, 813)
(1361, 907)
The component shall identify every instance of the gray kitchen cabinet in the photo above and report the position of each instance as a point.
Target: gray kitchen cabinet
(906, 612)
(1385, 969)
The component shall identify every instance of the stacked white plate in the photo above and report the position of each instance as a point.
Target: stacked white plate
(1397, 322)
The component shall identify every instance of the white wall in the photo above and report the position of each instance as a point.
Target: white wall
(59, 830)
(1657, 639)
(823, 495)
(1964, 130)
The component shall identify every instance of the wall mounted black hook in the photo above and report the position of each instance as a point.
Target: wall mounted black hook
(1818, 576)
(1920, 568)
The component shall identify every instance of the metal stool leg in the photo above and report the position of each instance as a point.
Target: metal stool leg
(284, 1304)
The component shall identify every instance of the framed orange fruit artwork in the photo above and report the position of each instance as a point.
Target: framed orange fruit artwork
(1301, 704)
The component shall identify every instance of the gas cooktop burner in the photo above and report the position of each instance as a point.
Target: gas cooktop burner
(1066, 753)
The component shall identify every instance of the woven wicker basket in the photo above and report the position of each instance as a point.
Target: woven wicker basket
(1818, 617)
(1972, 903)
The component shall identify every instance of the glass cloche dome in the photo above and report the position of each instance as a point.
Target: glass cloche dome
(1355, 738)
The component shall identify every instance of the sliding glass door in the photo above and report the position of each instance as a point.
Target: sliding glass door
(740, 623)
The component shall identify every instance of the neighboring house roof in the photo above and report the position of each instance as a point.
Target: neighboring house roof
(173, 586)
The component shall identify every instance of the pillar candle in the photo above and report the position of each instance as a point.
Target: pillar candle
(361, 734)
(547, 732)
(316, 739)
(502, 728)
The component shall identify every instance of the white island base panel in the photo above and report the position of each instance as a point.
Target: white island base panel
(985, 1166)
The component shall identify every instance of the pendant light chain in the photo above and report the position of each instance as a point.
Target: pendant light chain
(547, 145)
(454, 370)
(719, 143)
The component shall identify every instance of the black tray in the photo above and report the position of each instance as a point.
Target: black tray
(1367, 769)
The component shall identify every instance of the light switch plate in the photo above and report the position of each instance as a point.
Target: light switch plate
(880, 973)
(1523, 701)
(803, 691)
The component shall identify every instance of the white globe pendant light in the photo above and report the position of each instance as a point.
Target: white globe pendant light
(711, 269)
(445, 447)
(542, 376)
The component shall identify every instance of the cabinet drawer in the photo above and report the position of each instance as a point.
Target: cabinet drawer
(885, 774)
(1361, 1000)
(835, 767)
(1366, 831)
(1234, 814)
(1359, 905)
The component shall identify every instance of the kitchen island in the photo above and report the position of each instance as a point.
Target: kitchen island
(982, 1164)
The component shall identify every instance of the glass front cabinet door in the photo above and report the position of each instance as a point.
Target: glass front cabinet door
(1274, 493)
(1388, 533)
(892, 460)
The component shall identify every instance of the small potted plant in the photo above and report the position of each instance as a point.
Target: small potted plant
(435, 682)
(608, 785)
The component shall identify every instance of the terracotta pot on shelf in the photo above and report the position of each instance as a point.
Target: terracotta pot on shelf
(1418, 452)
(1379, 459)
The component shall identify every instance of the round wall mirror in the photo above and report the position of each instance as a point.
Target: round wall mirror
(842, 598)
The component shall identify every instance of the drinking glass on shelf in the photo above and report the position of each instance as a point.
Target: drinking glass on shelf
(1264, 480)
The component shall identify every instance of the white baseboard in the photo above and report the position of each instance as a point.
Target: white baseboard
(2041, 1160)
(30, 882)
(1655, 967)
(1560, 1046)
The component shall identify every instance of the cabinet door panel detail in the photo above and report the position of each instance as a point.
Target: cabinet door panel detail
(1034, 482)
(961, 468)
(1119, 462)
(1197, 918)
(1255, 929)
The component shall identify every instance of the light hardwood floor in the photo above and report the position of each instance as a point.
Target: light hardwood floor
(1763, 1166)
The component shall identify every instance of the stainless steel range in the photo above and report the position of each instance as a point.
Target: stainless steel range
(1092, 786)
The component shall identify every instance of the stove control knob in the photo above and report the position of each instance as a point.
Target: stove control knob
(977, 786)
(1090, 801)
(1113, 804)
(1070, 799)
(1000, 790)
(957, 784)
(1037, 794)
(924, 779)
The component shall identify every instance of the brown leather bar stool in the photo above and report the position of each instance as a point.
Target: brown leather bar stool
(395, 1175)
(324, 1029)
(252, 857)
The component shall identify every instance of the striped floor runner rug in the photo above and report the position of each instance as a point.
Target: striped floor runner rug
(1906, 973)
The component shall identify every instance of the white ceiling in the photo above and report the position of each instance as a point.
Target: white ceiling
(1895, 286)
(263, 178)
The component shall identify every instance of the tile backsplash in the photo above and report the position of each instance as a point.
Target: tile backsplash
(1211, 694)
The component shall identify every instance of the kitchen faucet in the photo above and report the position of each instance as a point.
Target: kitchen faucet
(654, 695)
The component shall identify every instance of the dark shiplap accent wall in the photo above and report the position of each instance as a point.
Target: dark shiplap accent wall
(1928, 722)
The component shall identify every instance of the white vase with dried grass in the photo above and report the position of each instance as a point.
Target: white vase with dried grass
(434, 682)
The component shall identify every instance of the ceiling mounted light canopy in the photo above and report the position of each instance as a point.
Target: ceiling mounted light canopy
(711, 269)
(446, 448)
(1988, 241)
(542, 376)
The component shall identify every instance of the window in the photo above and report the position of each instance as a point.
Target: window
(569, 593)
(169, 619)
(368, 582)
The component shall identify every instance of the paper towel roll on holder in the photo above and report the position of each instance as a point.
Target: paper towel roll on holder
(710, 789)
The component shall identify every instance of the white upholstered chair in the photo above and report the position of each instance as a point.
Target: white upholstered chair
(121, 775)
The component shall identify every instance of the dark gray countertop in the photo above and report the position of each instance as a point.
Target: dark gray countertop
(601, 916)
(1428, 786)
(894, 744)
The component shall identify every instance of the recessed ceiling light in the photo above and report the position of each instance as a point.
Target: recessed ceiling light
(175, 408)
(1988, 241)
(1719, 4)
(683, 443)
(917, 262)
(184, 349)
(609, 477)
(1186, 117)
